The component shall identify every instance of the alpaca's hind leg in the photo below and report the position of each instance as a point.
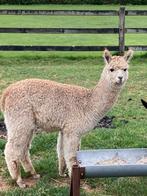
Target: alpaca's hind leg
(28, 166)
(71, 145)
(20, 131)
(13, 164)
(60, 152)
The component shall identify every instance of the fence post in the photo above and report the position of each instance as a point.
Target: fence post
(121, 30)
(122, 2)
(75, 181)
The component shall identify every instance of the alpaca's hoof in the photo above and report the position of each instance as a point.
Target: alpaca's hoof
(63, 174)
(36, 176)
(22, 185)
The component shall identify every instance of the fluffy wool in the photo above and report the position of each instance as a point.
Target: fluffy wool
(72, 110)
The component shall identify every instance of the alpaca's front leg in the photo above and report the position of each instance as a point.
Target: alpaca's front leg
(71, 145)
(60, 152)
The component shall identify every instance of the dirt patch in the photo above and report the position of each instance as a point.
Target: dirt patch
(30, 182)
(3, 135)
(62, 182)
(3, 185)
(3, 131)
(65, 182)
(106, 122)
(2, 126)
(88, 189)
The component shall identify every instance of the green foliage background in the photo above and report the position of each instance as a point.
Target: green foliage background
(98, 2)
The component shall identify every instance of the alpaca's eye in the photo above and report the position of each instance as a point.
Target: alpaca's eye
(111, 70)
(125, 69)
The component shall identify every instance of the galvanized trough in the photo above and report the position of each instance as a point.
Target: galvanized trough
(108, 163)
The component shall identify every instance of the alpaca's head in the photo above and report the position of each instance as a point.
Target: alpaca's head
(116, 68)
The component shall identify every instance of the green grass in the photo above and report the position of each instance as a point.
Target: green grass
(85, 71)
(80, 68)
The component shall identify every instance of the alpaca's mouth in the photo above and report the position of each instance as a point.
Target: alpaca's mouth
(119, 83)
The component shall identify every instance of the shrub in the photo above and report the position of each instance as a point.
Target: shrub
(98, 2)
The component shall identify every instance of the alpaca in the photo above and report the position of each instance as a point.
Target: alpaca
(144, 103)
(72, 110)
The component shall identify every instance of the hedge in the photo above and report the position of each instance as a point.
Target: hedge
(98, 2)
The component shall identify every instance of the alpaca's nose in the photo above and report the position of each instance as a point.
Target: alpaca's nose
(120, 77)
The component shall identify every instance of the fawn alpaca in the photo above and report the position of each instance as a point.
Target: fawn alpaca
(73, 110)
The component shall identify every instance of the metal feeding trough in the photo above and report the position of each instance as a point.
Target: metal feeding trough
(108, 163)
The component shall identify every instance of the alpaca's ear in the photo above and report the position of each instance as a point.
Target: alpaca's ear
(128, 55)
(107, 56)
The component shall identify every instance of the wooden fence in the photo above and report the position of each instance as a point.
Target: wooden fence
(121, 30)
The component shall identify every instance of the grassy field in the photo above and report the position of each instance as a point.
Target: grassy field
(81, 69)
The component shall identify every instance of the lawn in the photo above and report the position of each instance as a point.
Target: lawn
(81, 69)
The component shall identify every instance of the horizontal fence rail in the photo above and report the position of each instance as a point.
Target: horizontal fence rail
(73, 12)
(71, 30)
(57, 48)
(60, 30)
(136, 30)
(68, 48)
(121, 30)
(136, 12)
(61, 12)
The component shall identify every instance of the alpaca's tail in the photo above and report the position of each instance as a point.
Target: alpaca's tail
(144, 103)
(2, 102)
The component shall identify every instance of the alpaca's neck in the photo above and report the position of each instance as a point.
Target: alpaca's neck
(102, 98)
